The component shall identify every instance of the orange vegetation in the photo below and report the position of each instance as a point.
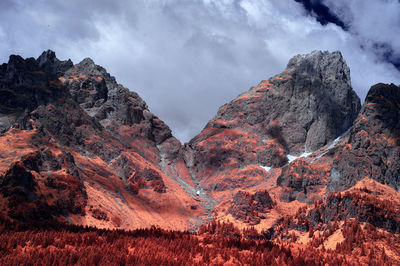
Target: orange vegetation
(215, 244)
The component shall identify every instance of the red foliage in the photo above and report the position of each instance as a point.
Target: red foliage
(215, 244)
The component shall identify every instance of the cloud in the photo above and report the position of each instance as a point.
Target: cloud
(376, 23)
(187, 58)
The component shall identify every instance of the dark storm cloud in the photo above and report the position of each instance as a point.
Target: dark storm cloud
(376, 23)
(322, 13)
(387, 53)
(341, 14)
(187, 58)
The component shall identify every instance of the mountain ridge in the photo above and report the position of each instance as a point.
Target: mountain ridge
(77, 133)
(295, 163)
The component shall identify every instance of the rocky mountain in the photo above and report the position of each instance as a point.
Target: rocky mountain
(252, 139)
(298, 111)
(294, 155)
(79, 147)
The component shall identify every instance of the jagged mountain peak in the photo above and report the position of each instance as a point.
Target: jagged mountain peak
(326, 64)
(112, 104)
(18, 69)
(389, 92)
(330, 81)
(86, 61)
(380, 112)
(26, 84)
(48, 55)
(89, 67)
(51, 65)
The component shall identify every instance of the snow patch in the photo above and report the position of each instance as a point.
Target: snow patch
(333, 144)
(266, 168)
(291, 158)
(305, 154)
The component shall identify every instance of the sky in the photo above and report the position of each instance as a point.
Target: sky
(186, 58)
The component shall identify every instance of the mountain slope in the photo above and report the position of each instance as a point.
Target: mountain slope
(79, 147)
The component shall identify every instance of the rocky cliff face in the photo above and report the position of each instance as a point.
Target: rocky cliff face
(300, 110)
(374, 140)
(294, 152)
(369, 150)
(113, 105)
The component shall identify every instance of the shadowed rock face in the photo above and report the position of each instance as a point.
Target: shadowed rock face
(24, 85)
(373, 147)
(325, 79)
(300, 110)
(52, 65)
(112, 104)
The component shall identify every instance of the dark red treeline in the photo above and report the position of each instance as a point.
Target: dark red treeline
(216, 243)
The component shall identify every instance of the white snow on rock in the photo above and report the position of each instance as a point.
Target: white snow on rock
(291, 158)
(333, 144)
(266, 168)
